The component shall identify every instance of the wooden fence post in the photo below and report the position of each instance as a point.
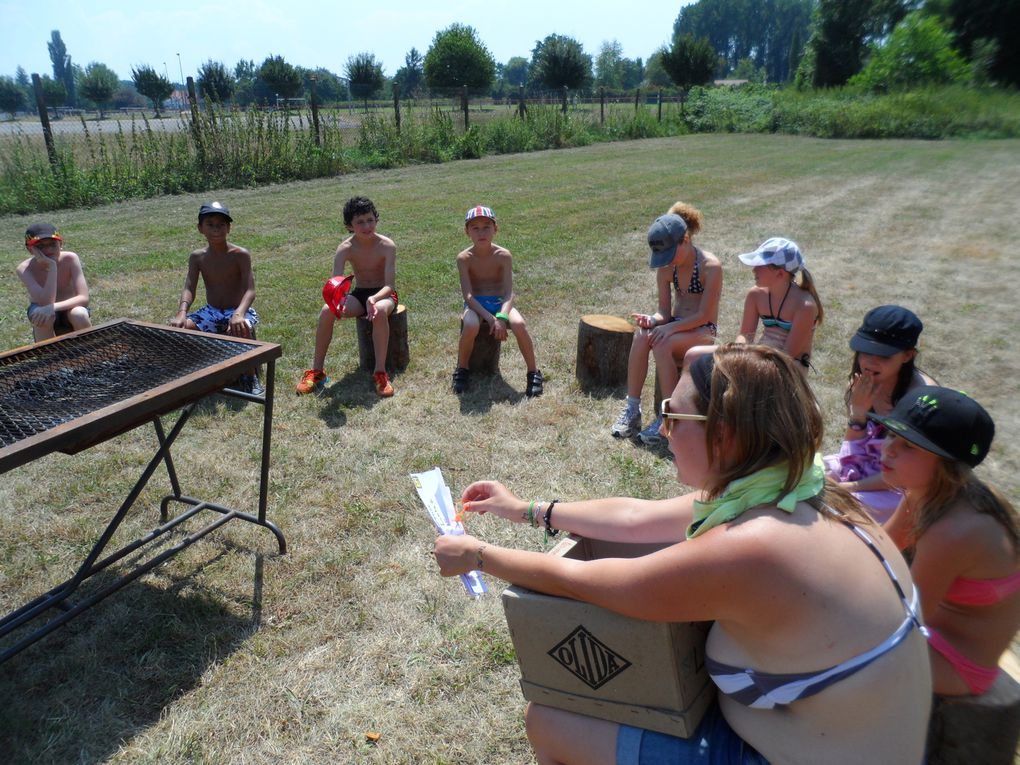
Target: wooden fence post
(464, 105)
(602, 106)
(315, 108)
(637, 99)
(44, 119)
(522, 109)
(196, 128)
(563, 98)
(659, 99)
(396, 105)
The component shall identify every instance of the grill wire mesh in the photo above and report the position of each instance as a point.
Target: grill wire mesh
(46, 386)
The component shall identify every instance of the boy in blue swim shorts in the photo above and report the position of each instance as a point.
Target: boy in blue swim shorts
(226, 272)
(486, 279)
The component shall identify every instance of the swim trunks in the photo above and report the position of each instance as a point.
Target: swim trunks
(216, 320)
(61, 320)
(362, 294)
(491, 303)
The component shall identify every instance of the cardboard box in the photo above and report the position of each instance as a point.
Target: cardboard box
(585, 659)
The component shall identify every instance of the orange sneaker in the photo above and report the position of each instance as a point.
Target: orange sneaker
(311, 381)
(382, 384)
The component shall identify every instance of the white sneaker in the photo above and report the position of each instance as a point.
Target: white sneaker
(651, 436)
(627, 424)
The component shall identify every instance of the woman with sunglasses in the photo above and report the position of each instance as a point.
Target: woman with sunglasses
(816, 648)
(963, 534)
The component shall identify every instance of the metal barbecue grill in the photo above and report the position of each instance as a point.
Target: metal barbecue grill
(74, 391)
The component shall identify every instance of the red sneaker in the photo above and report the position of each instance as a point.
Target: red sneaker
(382, 384)
(312, 380)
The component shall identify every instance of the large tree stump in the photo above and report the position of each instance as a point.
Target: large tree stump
(603, 349)
(965, 730)
(397, 353)
(485, 354)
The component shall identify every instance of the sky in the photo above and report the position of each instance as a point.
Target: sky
(176, 38)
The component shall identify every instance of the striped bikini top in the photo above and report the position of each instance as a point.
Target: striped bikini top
(766, 690)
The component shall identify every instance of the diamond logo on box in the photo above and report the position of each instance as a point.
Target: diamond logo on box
(588, 658)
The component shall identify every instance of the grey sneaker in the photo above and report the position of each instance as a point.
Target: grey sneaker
(627, 424)
(650, 436)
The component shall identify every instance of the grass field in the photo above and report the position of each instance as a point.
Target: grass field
(232, 654)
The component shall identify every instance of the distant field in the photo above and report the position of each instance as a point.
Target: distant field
(231, 653)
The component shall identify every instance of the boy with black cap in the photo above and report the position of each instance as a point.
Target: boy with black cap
(229, 283)
(57, 292)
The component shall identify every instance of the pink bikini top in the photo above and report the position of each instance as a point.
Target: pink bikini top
(982, 592)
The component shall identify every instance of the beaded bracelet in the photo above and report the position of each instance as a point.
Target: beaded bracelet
(549, 530)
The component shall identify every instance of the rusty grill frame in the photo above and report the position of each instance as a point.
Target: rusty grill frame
(113, 378)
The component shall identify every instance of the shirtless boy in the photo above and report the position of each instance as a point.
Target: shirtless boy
(229, 282)
(57, 293)
(486, 279)
(373, 260)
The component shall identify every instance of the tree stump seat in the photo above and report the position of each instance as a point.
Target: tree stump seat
(397, 353)
(965, 730)
(603, 350)
(486, 351)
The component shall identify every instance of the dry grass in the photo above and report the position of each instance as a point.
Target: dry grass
(232, 654)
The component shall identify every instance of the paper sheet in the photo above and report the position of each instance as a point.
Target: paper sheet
(438, 501)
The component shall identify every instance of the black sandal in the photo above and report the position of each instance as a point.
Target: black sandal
(535, 383)
(461, 375)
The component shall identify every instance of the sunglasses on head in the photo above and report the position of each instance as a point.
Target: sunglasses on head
(668, 417)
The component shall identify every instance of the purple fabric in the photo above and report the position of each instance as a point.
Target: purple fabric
(860, 459)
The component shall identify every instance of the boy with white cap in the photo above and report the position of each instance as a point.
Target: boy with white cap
(486, 279)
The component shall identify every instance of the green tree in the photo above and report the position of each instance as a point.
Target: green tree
(761, 30)
(633, 73)
(559, 61)
(989, 32)
(54, 92)
(656, 75)
(365, 75)
(411, 75)
(842, 31)
(515, 71)
(98, 84)
(63, 69)
(279, 78)
(152, 85)
(609, 65)
(689, 61)
(457, 58)
(329, 88)
(12, 98)
(245, 75)
(215, 82)
(918, 52)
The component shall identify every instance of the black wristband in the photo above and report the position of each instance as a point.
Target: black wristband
(549, 530)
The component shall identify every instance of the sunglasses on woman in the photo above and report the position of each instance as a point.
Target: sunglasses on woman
(668, 417)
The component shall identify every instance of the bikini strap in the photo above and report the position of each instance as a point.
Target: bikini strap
(777, 314)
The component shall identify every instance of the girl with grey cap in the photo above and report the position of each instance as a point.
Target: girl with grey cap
(789, 327)
(883, 372)
(963, 534)
(680, 322)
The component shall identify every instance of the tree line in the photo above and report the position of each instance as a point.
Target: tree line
(875, 44)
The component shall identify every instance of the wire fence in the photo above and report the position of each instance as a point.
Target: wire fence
(71, 158)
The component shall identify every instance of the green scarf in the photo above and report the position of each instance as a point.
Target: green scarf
(759, 488)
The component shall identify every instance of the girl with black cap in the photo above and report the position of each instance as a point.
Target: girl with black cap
(883, 371)
(964, 535)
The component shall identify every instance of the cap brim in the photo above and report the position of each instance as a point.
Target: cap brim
(907, 433)
(662, 258)
(872, 347)
(751, 259)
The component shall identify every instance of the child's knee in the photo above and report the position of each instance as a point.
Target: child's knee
(79, 318)
(469, 323)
